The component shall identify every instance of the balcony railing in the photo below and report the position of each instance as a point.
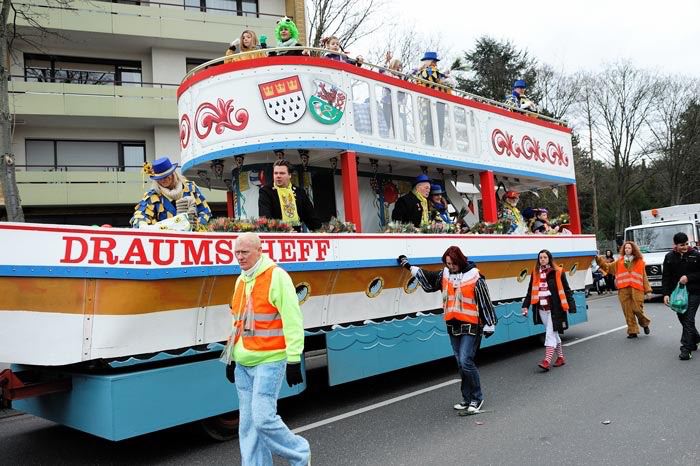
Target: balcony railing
(144, 9)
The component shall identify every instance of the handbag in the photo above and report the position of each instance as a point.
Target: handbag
(679, 299)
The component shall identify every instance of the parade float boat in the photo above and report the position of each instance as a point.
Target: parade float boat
(118, 329)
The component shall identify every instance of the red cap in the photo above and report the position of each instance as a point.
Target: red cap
(512, 194)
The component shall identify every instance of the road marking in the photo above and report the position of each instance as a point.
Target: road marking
(594, 336)
(381, 404)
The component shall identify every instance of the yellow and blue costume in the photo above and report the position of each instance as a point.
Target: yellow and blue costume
(155, 207)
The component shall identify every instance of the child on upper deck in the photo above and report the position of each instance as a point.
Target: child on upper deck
(248, 42)
(287, 35)
(336, 53)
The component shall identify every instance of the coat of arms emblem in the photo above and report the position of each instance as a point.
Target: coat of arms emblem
(328, 103)
(284, 99)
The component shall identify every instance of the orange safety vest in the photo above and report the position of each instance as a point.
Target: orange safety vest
(263, 331)
(633, 278)
(535, 291)
(460, 304)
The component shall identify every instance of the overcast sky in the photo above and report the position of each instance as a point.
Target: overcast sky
(581, 35)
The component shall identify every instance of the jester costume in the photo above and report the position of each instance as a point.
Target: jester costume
(156, 206)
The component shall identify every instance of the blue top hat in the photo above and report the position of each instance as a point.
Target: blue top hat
(421, 179)
(162, 168)
(436, 189)
(520, 83)
(430, 56)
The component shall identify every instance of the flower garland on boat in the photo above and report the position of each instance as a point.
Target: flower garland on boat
(500, 227)
(262, 224)
(428, 228)
(562, 219)
(336, 226)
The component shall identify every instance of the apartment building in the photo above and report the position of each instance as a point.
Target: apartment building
(95, 98)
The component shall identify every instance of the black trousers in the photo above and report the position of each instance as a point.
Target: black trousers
(690, 336)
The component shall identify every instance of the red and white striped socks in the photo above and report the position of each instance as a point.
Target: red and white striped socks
(548, 353)
(560, 350)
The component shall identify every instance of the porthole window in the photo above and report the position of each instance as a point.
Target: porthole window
(303, 292)
(411, 285)
(522, 275)
(375, 287)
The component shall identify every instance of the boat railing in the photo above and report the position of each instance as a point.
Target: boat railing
(320, 52)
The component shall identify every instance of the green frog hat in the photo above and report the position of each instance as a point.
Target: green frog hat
(286, 23)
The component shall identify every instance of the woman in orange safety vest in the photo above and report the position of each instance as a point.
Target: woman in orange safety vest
(632, 286)
(550, 298)
(468, 313)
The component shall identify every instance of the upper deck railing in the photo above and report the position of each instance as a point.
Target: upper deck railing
(304, 102)
(319, 52)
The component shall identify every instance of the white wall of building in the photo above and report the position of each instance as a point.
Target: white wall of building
(168, 65)
(167, 143)
(271, 7)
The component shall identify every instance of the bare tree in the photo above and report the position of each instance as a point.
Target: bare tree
(347, 20)
(676, 130)
(558, 91)
(408, 46)
(13, 205)
(18, 21)
(623, 99)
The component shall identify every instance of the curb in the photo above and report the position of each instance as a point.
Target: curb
(5, 413)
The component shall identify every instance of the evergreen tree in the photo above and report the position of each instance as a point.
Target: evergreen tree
(493, 67)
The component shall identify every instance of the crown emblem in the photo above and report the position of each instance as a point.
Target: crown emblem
(293, 85)
(280, 88)
(268, 91)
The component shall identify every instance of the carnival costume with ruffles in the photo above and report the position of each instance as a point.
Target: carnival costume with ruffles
(155, 207)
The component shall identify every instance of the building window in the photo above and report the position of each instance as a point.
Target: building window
(64, 155)
(79, 70)
(224, 7)
(192, 63)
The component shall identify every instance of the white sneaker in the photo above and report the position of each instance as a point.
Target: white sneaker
(461, 406)
(475, 406)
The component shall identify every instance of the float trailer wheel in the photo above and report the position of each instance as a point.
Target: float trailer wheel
(221, 428)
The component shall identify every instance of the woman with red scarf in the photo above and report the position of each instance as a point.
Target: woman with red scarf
(551, 300)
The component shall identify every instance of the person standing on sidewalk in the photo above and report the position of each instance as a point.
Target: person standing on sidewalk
(682, 265)
(632, 285)
(268, 340)
(551, 300)
(469, 313)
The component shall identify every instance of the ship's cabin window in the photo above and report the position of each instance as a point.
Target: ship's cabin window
(361, 107)
(385, 110)
(461, 129)
(443, 120)
(406, 126)
(426, 121)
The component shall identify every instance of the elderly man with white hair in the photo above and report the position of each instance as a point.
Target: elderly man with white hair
(268, 340)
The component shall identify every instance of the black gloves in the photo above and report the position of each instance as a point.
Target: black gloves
(294, 374)
(230, 372)
(403, 262)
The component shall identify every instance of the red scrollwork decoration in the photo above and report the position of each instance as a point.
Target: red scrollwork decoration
(218, 117)
(185, 131)
(529, 148)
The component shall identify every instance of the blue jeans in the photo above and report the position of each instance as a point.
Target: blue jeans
(261, 431)
(465, 347)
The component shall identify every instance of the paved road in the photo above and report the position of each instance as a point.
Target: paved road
(649, 396)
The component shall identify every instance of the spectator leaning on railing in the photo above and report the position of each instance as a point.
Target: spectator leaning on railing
(248, 42)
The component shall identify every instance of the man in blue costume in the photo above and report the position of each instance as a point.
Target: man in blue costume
(170, 194)
(519, 100)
